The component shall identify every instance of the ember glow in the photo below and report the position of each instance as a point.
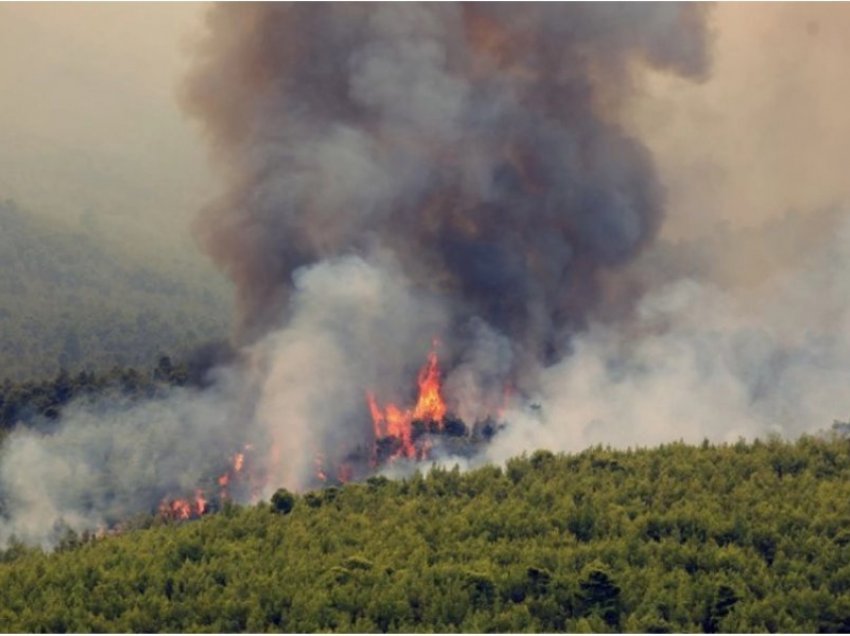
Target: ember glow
(319, 462)
(200, 502)
(181, 509)
(237, 463)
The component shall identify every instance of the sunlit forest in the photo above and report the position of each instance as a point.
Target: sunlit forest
(747, 537)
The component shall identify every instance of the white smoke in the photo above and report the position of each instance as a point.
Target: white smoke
(703, 362)
(110, 460)
(355, 325)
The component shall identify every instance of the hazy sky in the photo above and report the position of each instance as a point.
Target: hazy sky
(89, 122)
(88, 117)
(768, 132)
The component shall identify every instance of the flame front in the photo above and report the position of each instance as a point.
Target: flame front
(395, 437)
(397, 423)
(181, 509)
(430, 405)
(191, 508)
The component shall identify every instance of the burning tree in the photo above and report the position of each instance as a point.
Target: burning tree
(407, 433)
(395, 427)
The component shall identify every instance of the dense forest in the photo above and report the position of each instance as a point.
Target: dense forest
(748, 537)
(70, 301)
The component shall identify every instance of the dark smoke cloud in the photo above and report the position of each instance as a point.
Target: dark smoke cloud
(471, 140)
(390, 173)
(394, 172)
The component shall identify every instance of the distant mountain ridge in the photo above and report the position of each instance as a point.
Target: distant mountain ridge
(70, 301)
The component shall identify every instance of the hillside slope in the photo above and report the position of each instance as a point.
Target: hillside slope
(749, 537)
(67, 301)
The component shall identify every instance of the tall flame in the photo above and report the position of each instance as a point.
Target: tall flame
(395, 422)
(430, 405)
(392, 425)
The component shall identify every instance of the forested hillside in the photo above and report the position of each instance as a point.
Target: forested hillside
(745, 537)
(30, 402)
(69, 301)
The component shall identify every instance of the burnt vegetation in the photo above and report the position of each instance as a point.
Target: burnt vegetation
(747, 537)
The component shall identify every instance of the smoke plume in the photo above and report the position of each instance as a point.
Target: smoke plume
(396, 174)
(392, 175)
(703, 360)
(470, 140)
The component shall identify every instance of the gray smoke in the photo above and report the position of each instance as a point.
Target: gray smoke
(112, 459)
(391, 173)
(704, 359)
(470, 140)
(397, 172)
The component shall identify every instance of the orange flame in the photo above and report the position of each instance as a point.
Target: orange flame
(392, 421)
(344, 473)
(176, 509)
(237, 463)
(199, 505)
(200, 502)
(319, 463)
(430, 405)
(183, 509)
(507, 396)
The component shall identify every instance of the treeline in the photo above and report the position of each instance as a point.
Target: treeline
(31, 401)
(733, 538)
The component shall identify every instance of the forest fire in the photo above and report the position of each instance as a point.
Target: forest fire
(343, 474)
(181, 509)
(199, 505)
(398, 433)
(396, 423)
(237, 463)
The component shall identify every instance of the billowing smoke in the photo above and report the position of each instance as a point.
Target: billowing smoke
(350, 329)
(703, 360)
(469, 140)
(112, 459)
(394, 174)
